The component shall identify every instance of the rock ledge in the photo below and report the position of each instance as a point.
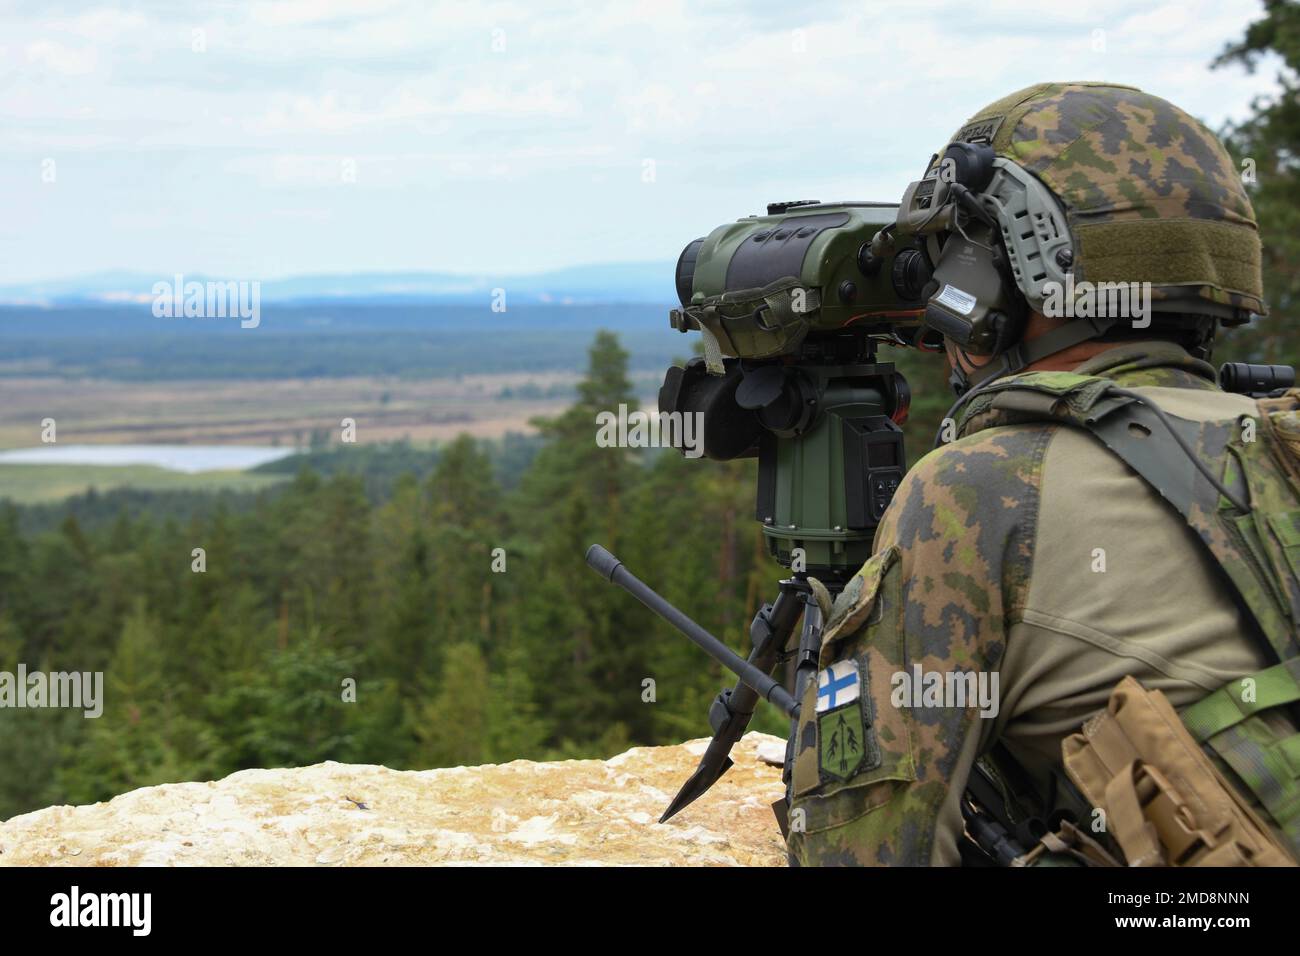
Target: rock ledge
(572, 812)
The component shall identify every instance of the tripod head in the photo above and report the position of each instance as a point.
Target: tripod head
(824, 426)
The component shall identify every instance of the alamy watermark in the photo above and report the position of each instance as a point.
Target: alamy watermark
(951, 689)
(1084, 300)
(74, 908)
(74, 689)
(638, 429)
(176, 298)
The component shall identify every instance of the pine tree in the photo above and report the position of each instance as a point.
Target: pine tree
(466, 524)
(1267, 145)
(585, 642)
(452, 725)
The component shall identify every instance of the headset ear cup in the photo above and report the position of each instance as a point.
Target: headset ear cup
(971, 164)
(1011, 322)
(1009, 329)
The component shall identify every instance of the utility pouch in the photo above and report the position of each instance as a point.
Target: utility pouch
(754, 323)
(1165, 803)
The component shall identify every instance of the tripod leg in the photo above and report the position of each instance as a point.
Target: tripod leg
(732, 709)
(806, 659)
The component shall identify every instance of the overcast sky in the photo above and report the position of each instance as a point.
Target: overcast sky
(257, 140)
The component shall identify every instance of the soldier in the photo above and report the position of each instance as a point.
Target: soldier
(1099, 513)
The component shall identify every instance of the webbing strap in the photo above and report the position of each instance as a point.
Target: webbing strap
(1152, 451)
(1228, 724)
(1135, 834)
(1228, 706)
(1144, 439)
(1289, 750)
(1266, 766)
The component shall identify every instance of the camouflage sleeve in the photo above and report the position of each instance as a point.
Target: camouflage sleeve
(910, 659)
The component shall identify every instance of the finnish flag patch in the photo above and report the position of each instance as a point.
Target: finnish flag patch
(838, 685)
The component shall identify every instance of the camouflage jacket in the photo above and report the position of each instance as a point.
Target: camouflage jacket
(1019, 574)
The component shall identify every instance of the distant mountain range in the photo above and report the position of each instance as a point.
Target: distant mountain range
(630, 282)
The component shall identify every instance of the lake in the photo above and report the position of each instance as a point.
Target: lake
(184, 458)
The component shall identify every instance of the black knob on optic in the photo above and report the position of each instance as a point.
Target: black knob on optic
(868, 264)
(910, 272)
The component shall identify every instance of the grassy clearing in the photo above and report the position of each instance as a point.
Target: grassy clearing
(276, 412)
(34, 484)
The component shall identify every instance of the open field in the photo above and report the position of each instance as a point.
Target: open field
(277, 412)
(34, 484)
(119, 376)
(271, 412)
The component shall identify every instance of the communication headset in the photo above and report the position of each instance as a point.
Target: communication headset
(999, 240)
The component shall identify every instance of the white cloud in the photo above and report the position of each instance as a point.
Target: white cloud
(284, 13)
(737, 103)
(59, 58)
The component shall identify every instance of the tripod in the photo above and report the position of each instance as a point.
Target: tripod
(770, 634)
(826, 434)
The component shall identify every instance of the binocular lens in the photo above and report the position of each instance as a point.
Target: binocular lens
(686, 271)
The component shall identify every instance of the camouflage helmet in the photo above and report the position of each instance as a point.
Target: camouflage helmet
(1149, 193)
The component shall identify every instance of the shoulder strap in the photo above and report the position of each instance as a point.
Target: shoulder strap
(1258, 550)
